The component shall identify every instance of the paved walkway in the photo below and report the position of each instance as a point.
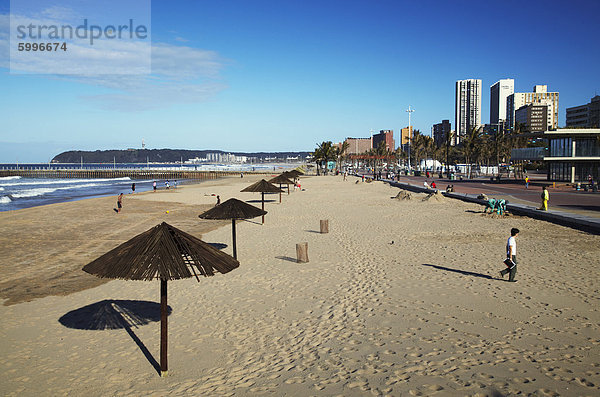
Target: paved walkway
(577, 209)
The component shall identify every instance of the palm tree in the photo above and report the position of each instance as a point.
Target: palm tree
(416, 147)
(448, 141)
(324, 153)
(470, 145)
(341, 153)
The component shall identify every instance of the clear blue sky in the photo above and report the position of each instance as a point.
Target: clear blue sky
(284, 75)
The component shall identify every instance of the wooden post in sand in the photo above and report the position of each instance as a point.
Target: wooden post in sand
(324, 226)
(302, 252)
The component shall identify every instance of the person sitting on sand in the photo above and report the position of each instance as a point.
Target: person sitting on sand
(433, 186)
(425, 185)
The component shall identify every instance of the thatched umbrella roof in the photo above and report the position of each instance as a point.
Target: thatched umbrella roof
(233, 209)
(163, 252)
(281, 179)
(262, 186)
(293, 173)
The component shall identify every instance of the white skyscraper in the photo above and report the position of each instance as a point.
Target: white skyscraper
(498, 94)
(467, 114)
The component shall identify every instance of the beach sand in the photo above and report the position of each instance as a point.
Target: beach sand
(402, 297)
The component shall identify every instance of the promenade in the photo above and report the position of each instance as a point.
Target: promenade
(567, 206)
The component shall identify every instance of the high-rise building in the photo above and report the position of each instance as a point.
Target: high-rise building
(585, 116)
(532, 118)
(498, 94)
(359, 145)
(386, 136)
(405, 135)
(539, 96)
(467, 111)
(440, 131)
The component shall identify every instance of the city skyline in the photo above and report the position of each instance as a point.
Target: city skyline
(277, 76)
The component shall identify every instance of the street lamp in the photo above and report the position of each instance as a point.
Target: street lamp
(409, 110)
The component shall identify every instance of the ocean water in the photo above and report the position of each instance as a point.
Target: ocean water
(17, 192)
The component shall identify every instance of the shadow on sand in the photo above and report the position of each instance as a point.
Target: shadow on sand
(287, 258)
(116, 314)
(218, 246)
(464, 272)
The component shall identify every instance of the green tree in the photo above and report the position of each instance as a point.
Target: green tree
(470, 146)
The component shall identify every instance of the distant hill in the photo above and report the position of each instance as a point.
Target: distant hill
(157, 155)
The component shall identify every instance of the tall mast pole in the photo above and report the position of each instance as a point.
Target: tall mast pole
(409, 110)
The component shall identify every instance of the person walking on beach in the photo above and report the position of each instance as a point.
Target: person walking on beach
(133, 188)
(526, 182)
(511, 253)
(119, 203)
(218, 200)
(175, 184)
(167, 184)
(545, 197)
(154, 186)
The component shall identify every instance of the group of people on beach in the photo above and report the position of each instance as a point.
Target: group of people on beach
(120, 196)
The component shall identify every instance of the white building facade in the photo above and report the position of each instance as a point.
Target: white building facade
(499, 92)
(467, 112)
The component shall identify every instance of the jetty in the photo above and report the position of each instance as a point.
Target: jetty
(84, 173)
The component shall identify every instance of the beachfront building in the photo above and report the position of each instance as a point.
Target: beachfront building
(539, 96)
(532, 118)
(499, 92)
(467, 107)
(585, 116)
(359, 145)
(405, 137)
(573, 154)
(386, 136)
(440, 131)
(225, 158)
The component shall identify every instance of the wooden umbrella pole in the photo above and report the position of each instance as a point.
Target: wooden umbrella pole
(233, 237)
(280, 193)
(263, 206)
(163, 327)
(288, 186)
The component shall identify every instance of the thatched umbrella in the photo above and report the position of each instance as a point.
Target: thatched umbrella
(263, 187)
(166, 253)
(233, 209)
(282, 180)
(293, 173)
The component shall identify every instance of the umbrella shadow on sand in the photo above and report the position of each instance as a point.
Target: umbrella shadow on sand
(219, 246)
(116, 314)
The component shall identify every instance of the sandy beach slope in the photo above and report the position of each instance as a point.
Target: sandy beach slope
(402, 297)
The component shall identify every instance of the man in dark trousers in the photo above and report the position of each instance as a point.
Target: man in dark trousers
(511, 253)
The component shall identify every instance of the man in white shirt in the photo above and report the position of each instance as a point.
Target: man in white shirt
(511, 253)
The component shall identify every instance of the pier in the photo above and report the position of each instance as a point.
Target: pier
(122, 173)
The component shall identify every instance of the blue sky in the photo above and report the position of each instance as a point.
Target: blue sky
(284, 75)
